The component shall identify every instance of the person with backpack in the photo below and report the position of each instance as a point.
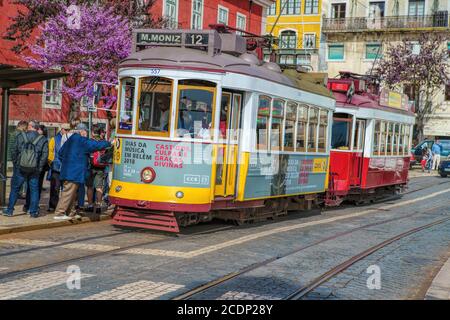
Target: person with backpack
(42, 131)
(74, 155)
(29, 155)
(54, 146)
(96, 180)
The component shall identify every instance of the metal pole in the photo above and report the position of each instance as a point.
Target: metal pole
(4, 145)
(90, 125)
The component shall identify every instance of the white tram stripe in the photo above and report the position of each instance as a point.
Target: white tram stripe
(255, 236)
(140, 290)
(235, 295)
(20, 287)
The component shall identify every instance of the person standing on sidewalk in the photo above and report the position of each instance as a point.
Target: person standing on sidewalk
(54, 146)
(74, 156)
(22, 127)
(29, 155)
(436, 151)
(44, 132)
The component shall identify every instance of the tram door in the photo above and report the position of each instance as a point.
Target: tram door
(230, 123)
(358, 147)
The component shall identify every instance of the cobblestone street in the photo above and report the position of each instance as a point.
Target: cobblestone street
(257, 261)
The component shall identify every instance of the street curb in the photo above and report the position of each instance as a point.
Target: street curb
(440, 287)
(50, 225)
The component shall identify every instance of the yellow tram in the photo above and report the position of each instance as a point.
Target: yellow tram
(207, 130)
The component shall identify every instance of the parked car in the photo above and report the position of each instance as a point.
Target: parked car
(444, 167)
(417, 150)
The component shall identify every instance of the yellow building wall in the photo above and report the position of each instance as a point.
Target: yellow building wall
(301, 23)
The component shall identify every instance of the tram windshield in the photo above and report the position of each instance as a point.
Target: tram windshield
(154, 106)
(342, 132)
(126, 104)
(195, 109)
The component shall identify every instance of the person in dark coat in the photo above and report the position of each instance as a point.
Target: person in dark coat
(74, 156)
(31, 177)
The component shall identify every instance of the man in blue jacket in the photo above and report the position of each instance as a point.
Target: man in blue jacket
(74, 155)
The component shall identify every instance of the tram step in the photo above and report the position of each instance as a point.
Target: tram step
(163, 221)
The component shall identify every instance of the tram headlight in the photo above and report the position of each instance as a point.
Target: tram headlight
(179, 194)
(148, 175)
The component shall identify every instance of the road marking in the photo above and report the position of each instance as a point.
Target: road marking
(90, 246)
(255, 236)
(235, 295)
(140, 290)
(157, 252)
(20, 287)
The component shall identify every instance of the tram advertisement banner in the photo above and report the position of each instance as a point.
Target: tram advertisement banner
(175, 164)
(284, 174)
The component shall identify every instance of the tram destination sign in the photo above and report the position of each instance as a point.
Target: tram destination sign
(175, 39)
(151, 38)
(204, 39)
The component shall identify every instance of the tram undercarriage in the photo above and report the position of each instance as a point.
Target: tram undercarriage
(172, 221)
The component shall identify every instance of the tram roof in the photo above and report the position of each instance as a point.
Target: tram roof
(248, 64)
(362, 101)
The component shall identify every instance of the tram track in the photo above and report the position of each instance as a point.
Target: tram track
(100, 254)
(183, 236)
(305, 290)
(205, 287)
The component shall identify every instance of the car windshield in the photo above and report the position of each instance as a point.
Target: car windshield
(445, 144)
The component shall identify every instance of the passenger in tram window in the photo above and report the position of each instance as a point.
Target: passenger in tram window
(185, 120)
(164, 107)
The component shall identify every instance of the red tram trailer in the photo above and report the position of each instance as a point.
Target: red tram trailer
(371, 139)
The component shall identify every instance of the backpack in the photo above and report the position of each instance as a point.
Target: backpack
(29, 157)
(97, 161)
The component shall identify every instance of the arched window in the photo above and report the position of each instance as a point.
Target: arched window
(288, 40)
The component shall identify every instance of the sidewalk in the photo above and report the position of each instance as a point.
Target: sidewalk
(22, 222)
(440, 287)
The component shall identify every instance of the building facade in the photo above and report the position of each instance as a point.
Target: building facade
(355, 34)
(247, 15)
(296, 25)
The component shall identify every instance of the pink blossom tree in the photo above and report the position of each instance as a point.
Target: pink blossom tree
(425, 72)
(89, 51)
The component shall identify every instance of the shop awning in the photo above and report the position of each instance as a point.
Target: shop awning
(13, 76)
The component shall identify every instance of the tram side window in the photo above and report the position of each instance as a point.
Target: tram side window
(312, 129)
(126, 104)
(195, 109)
(400, 138)
(342, 131)
(396, 139)
(276, 124)
(360, 128)
(383, 138)
(154, 106)
(376, 137)
(289, 126)
(407, 147)
(262, 121)
(323, 130)
(302, 121)
(389, 136)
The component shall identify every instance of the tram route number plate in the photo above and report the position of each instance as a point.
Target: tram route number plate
(197, 39)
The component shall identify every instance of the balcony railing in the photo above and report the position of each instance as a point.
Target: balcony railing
(439, 20)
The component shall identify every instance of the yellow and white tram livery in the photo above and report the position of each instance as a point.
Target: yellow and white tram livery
(207, 130)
